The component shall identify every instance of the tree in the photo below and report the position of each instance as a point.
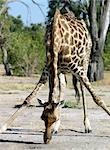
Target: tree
(98, 33)
(4, 33)
(26, 48)
(21, 46)
(64, 6)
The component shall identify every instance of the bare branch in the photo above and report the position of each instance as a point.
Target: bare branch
(39, 8)
(6, 2)
(5, 6)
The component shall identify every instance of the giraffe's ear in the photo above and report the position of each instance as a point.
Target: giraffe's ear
(41, 102)
(61, 103)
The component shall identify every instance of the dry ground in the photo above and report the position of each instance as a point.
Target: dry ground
(26, 132)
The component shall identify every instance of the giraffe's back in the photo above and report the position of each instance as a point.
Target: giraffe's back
(73, 42)
(75, 45)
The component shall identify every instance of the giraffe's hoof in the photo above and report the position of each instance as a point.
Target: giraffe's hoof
(18, 106)
(88, 130)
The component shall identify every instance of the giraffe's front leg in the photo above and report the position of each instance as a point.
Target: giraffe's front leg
(56, 126)
(42, 81)
(62, 86)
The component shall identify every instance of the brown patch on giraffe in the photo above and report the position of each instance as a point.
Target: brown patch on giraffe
(80, 36)
(86, 35)
(62, 30)
(72, 22)
(80, 31)
(82, 49)
(75, 70)
(72, 50)
(72, 30)
(71, 41)
(81, 73)
(64, 25)
(66, 37)
(61, 33)
(67, 59)
(73, 57)
(75, 35)
(62, 41)
(61, 17)
(73, 66)
(80, 63)
(67, 18)
(76, 41)
(80, 26)
(75, 27)
(59, 25)
(64, 50)
(81, 22)
(84, 40)
(79, 44)
(76, 60)
(86, 44)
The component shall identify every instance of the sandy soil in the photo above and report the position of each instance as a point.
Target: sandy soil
(26, 132)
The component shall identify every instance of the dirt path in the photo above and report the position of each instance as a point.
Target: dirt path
(26, 132)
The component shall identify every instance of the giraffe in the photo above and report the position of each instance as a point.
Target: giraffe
(45, 73)
(69, 52)
(48, 44)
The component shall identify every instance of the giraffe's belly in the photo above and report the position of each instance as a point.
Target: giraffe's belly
(63, 68)
(63, 61)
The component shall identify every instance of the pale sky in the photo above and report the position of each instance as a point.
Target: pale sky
(31, 15)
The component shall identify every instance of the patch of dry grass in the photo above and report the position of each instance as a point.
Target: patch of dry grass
(105, 81)
(71, 104)
(27, 83)
(16, 86)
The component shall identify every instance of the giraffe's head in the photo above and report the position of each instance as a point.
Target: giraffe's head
(50, 115)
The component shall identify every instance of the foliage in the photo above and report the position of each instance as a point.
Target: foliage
(81, 9)
(25, 47)
(71, 104)
(75, 7)
(107, 53)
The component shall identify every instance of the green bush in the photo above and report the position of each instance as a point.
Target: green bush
(107, 60)
(26, 50)
(107, 53)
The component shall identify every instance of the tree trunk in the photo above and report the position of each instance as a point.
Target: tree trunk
(96, 66)
(92, 74)
(7, 66)
(104, 24)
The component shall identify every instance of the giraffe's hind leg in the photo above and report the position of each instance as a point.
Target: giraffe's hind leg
(75, 84)
(86, 120)
(96, 99)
